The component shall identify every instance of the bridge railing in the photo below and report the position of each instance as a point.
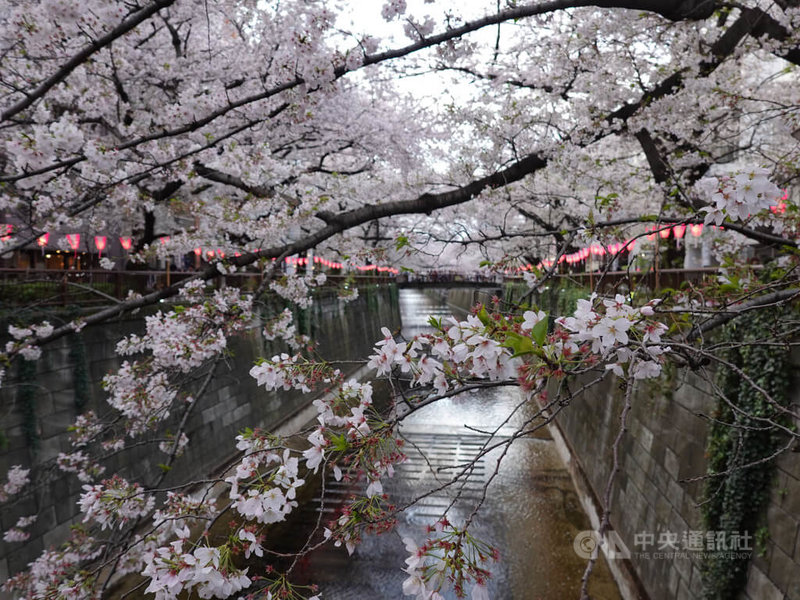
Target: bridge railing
(92, 287)
(44, 287)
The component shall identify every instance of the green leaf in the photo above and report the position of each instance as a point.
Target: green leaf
(484, 316)
(539, 332)
(339, 443)
(518, 344)
(163, 467)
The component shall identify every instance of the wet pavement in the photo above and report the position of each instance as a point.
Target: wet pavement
(530, 511)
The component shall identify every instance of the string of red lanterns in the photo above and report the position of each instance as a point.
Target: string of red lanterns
(101, 243)
(678, 230)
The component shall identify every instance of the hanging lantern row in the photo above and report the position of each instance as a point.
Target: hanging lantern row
(101, 243)
(391, 270)
(584, 253)
(302, 261)
(317, 260)
(678, 231)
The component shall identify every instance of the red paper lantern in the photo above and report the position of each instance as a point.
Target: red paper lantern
(126, 243)
(678, 231)
(100, 242)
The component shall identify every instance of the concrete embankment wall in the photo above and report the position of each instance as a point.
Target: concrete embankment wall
(665, 444)
(67, 380)
(654, 510)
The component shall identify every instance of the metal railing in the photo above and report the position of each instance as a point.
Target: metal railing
(41, 287)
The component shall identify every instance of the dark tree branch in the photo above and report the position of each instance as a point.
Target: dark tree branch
(259, 191)
(550, 229)
(724, 315)
(658, 165)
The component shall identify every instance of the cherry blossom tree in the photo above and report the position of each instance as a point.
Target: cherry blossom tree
(269, 129)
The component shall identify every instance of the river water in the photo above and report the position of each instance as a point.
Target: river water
(531, 511)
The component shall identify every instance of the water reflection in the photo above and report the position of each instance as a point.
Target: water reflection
(530, 510)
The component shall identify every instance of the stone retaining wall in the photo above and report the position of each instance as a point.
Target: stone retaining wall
(665, 445)
(345, 332)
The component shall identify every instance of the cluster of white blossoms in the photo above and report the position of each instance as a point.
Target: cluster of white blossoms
(17, 533)
(262, 489)
(85, 467)
(450, 556)
(281, 327)
(24, 342)
(393, 9)
(85, 428)
(297, 288)
(176, 341)
(494, 347)
(738, 196)
(282, 372)
(205, 570)
(17, 479)
(114, 502)
(345, 411)
(462, 349)
(357, 445)
(186, 337)
(56, 573)
(270, 481)
(617, 333)
(171, 520)
(143, 396)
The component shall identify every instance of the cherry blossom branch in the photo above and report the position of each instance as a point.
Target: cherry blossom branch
(82, 56)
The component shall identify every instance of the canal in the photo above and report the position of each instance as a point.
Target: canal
(530, 512)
